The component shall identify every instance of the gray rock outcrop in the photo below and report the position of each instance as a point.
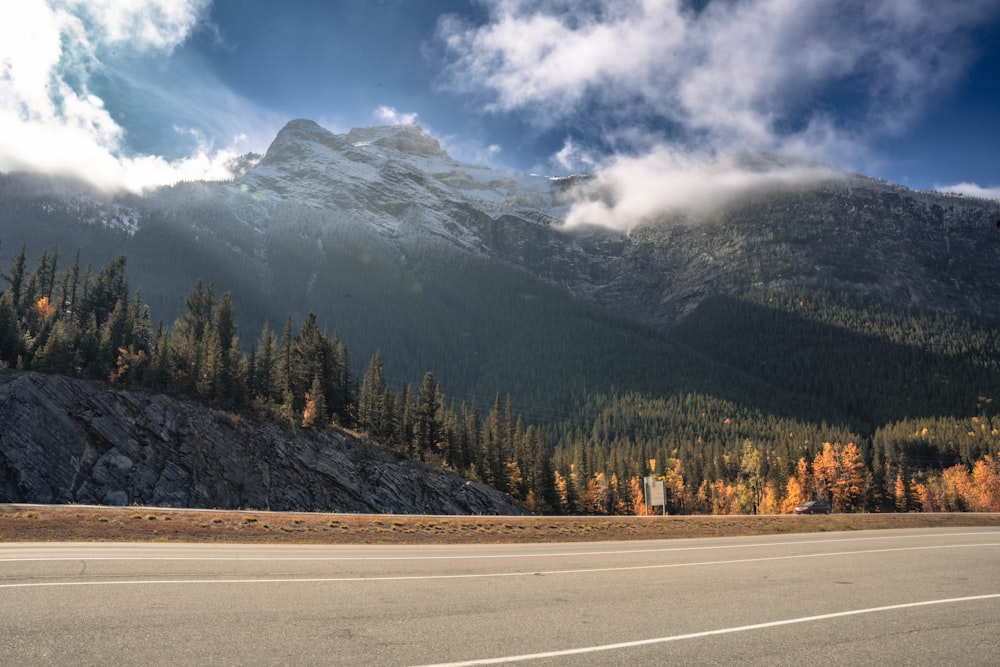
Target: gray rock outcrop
(70, 441)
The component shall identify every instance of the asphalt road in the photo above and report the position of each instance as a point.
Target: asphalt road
(910, 597)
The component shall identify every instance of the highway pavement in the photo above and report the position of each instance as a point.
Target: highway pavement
(901, 597)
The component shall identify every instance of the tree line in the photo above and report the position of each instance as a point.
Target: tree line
(89, 325)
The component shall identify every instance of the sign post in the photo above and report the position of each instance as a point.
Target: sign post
(655, 492)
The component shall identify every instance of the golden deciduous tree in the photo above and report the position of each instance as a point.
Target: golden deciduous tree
(770, 503)
(851, 480)
(515, 478)
(824, 470)
(309, 413)
(954, 488)
(905, 499)
(639, 500)
(797, 489)
(723, 497)
(562, 488)
(750, 487)
(985, 485)
(128, 360)
(673, 478)
(45, 308)
(314, 413)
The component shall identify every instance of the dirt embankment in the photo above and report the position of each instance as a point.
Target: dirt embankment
(73, 523)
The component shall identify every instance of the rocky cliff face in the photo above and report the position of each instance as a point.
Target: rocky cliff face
(69, 441)
(924, 250)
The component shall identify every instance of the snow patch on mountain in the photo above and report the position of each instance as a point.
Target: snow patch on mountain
(393, 176)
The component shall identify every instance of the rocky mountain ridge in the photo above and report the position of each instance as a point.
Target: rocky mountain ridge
(396, 184)
(845, 232)
(72, 441)
(387, 177)
(447, 266)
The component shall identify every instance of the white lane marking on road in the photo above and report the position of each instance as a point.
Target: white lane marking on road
(474, 556)
(482, 575)
(707, 633)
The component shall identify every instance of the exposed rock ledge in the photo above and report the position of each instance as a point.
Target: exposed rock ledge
(71, 441)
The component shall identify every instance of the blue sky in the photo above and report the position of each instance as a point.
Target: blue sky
(151, 91)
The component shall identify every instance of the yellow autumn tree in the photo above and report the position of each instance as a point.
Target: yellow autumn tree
(825, 471)
(309, 413)
(45, 308)
(673, 479)
(638, 500)
(723, 497)
(903, 493)
(529, 501)
(770, 502)
(514, 477)
(128, 360)
(562, 488)
(314, 415)
(985, 485)
(955, 485)
(850, 480)
(797, 490)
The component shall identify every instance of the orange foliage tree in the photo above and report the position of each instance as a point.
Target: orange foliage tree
(985, 487)
(638, 499)
(798, 489)
(851, 480)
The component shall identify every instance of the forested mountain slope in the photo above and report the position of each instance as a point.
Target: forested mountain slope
(843, 309)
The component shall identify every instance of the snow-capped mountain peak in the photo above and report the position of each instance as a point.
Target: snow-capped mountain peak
(391, 176)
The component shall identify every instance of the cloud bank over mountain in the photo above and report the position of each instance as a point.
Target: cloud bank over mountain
(630, 191)
(672, 88)
(972, 190)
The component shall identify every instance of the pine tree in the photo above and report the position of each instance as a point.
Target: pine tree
(283, 366)
(493, 446)
(405, 422)
(10, 334)
(15, 281)
(427, 427)
(542, 478)
(373, 417)
(106, 291)
(233, 377)
(287, 410)
(470, 440)
(56, 356)
(264, 383)
(160, 375)
(309, 352)
(224, 320)
(208, 383)
(348, 391)
(190, 344)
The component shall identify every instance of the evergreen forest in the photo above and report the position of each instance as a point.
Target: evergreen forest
(765, 399)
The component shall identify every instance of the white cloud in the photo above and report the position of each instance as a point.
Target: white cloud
(149, 24)
(972, 190)
(51, 119)
(819, 80)
(631, 190)
(391, 116)
(750, 74)
(571, 158)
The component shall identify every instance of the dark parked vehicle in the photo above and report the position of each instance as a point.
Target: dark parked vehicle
(814, 507)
